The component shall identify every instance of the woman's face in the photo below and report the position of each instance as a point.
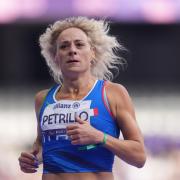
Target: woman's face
(74, 52)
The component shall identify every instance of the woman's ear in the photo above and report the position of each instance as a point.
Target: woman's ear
(93, 60)
(93, 50)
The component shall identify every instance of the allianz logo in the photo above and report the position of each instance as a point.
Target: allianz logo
(74, 105)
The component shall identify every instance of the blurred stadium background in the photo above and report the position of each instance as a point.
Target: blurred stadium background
(149, 29)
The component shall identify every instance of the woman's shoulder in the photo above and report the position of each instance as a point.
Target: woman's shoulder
(40, 95)
(39, 98)
(116, 88)
(118, 95)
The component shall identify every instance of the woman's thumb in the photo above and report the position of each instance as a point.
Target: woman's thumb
(35, 150)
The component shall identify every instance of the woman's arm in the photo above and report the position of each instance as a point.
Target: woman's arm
(29, 161)
(131, 149)
(39, 99)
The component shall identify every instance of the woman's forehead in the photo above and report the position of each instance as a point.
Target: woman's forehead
(72, 34)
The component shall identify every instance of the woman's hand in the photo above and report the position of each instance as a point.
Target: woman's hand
(82, 133)
(28, 161)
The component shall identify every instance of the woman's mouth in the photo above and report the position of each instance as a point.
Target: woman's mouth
(72, 61)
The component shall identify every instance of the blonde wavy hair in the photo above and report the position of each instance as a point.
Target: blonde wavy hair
(106, 46)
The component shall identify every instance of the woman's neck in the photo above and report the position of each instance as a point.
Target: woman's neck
(77, 87)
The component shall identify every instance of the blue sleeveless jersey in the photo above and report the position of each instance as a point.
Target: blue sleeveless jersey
(59, 155)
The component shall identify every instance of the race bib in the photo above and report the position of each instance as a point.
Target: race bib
(57, 116)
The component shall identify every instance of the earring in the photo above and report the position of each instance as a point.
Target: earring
(92, 62)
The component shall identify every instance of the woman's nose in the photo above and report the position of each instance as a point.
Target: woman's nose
(72, 50)
(72, 53)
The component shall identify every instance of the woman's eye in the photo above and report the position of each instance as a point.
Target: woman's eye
(63, 46)
(79, 45)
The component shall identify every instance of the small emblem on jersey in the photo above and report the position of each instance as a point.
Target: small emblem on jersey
(60, 105)
(76, 105)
